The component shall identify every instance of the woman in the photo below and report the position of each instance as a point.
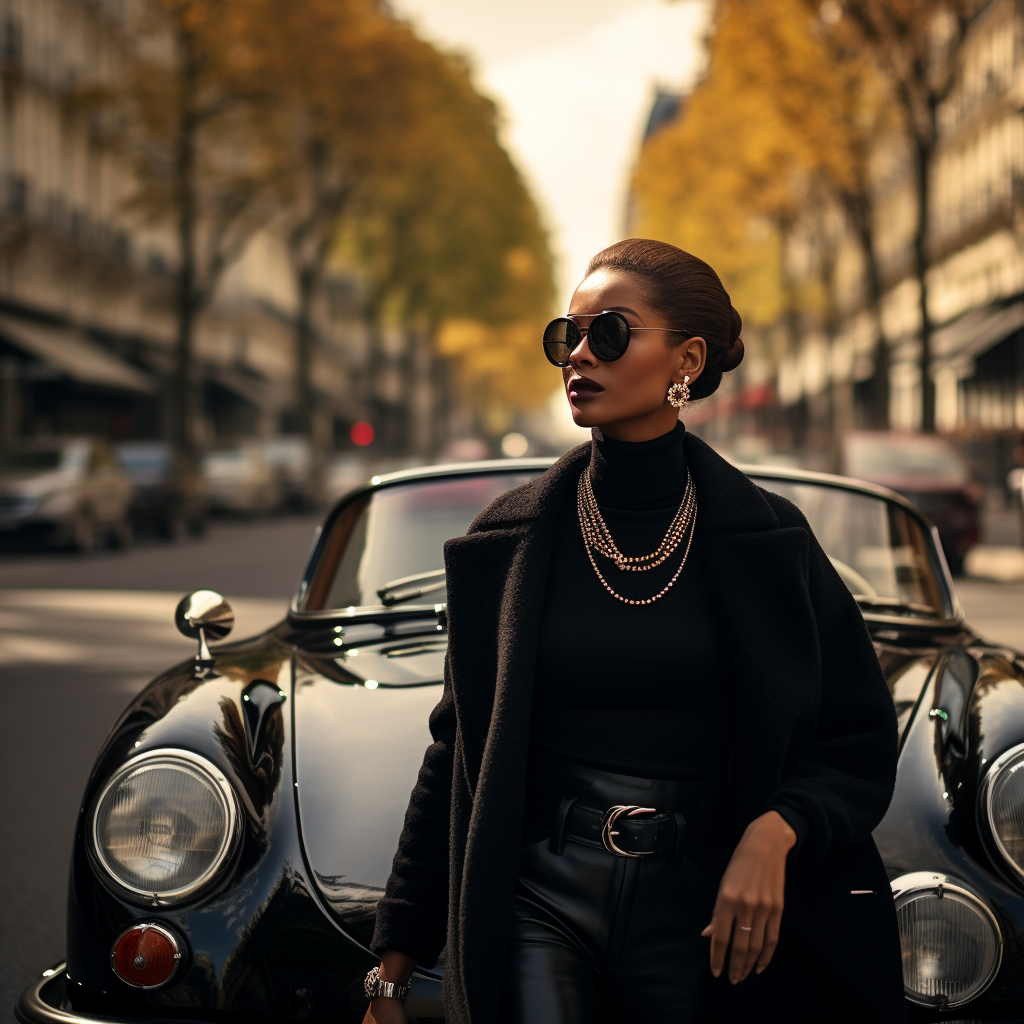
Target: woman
(664, 738)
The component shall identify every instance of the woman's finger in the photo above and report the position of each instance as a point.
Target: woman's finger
(757, 937)
(721, 930)
(771, 940)
(740, 945)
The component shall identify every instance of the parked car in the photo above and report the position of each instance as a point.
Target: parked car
(241, 481)
(291, 461)
(64, 492)
(238, 827)
(168, 499)
(931, 473)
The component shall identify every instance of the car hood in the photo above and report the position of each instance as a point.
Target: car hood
(360, 734)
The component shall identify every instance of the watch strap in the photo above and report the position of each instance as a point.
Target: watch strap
(376, 988)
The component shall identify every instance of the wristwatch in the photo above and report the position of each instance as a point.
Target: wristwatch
(374, 987)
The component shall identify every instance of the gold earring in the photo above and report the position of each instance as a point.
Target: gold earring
(679, 394)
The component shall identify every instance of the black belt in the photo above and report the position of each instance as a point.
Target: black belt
(624, 830)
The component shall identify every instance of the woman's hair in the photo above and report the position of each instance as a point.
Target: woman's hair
(688, 292)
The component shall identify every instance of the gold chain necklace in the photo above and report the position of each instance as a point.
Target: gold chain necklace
(596, 537)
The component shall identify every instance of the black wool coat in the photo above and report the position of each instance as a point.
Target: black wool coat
(815, 737)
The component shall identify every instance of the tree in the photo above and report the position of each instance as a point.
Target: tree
(451, 247)
(916, 43)
(188, 103)
(781, 129)
(374, 127)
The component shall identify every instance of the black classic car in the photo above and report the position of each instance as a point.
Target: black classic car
(239, 824)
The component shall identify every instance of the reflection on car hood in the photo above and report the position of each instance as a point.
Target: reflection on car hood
(360, 734)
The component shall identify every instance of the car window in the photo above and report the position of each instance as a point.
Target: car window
(144, 458)
(918, 458)
(396, 532)
(41, 460)
(880, 550)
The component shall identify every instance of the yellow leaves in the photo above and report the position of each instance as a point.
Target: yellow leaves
(785, 104)
(498, 365)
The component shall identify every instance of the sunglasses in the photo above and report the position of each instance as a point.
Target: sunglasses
(608, 337)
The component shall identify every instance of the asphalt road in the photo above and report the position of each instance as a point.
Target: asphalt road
(79, 636)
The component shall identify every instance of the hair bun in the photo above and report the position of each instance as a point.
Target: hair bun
(733, 355)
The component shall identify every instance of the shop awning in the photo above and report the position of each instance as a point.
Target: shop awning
(257, 391)
(72, 354)
(976, 332)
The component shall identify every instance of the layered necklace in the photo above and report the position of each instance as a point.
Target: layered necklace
(596, 537)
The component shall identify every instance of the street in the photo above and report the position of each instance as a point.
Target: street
(79, 636)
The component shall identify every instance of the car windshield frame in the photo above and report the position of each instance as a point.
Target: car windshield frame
(952, 611)
(884, 612)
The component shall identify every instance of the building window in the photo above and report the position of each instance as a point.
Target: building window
(11, 41)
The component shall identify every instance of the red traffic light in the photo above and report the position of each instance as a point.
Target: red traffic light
(361, 433)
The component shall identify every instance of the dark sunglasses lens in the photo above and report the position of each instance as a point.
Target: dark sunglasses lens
(561, 336)
(608, 336)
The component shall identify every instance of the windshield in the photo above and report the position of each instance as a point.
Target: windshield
(385, 548)
(910, 458)
(381, 540)
(144, 458)
(878, 548)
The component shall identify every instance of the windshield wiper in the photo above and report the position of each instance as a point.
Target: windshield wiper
(395, 593)
(895, 604)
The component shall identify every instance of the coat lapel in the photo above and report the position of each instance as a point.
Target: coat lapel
(497, 575)
(758, 574)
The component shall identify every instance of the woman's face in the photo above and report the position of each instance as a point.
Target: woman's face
(627, 398)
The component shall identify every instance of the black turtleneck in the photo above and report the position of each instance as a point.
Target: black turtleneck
(640, 690)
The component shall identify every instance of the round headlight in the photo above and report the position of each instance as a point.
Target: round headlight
(950, 940)
(164, 825)
(1002, 798)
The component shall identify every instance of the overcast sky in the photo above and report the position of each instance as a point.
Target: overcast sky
(575, 80)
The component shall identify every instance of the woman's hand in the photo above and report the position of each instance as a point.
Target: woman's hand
(750, 897)
(396, 967)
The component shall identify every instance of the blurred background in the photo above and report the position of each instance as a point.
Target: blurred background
(254, 251)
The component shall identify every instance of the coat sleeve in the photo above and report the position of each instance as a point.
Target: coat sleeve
(412, 915)
(836, 788)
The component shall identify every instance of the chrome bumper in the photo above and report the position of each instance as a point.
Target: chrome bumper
(43, 1002)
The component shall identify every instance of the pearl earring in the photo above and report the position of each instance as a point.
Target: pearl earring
(679, 394)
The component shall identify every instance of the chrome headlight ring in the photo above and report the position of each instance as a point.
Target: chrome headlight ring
(936, 946)
(1000, 773)
(221, 797)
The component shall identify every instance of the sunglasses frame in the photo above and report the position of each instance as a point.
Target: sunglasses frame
(584, 332)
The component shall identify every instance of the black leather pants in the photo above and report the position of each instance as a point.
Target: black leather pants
(597, 937)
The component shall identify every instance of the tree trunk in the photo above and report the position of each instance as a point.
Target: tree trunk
(373, 398)
(183, 405)
(861, 212)
(306, 279)
(923, 153)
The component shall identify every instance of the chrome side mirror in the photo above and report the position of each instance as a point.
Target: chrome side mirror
(204, 615)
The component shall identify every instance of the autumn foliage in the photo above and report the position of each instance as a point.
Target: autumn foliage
(368, 151)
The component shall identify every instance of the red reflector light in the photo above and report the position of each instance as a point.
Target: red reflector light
(146, 956)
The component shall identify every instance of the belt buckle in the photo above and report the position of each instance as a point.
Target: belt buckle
(611, 816)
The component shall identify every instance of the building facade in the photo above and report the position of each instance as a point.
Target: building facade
(87, 318)
(805, 393)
